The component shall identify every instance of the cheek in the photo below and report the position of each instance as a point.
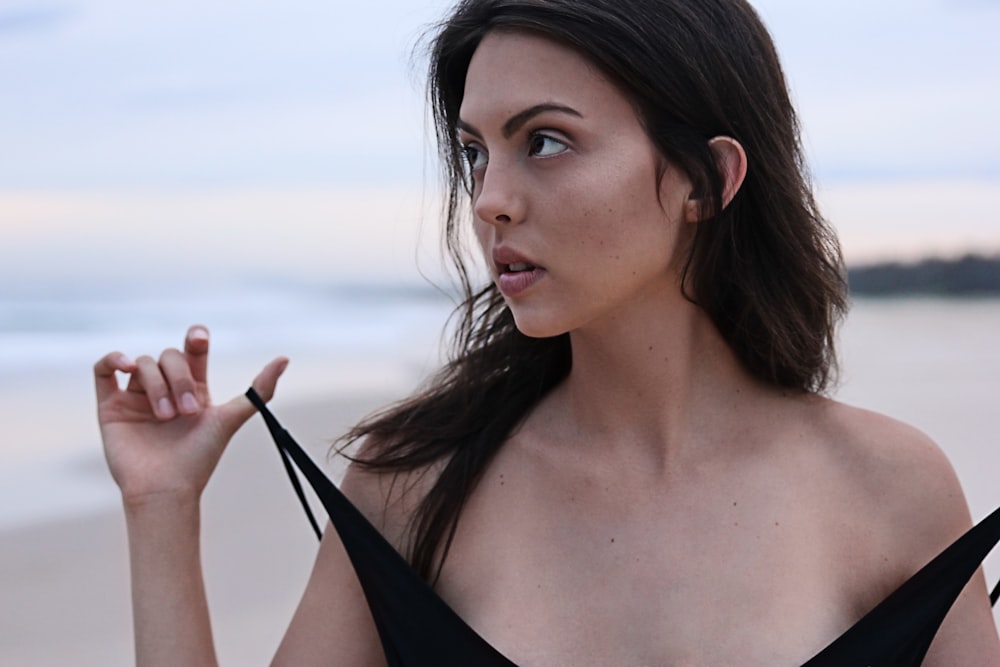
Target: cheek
(617, 213)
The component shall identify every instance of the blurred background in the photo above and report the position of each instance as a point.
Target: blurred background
(265, 168)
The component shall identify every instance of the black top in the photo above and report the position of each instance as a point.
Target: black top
(417, 628)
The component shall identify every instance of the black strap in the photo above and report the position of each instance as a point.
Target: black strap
(901, 628)
(416, 627)
(273, 426)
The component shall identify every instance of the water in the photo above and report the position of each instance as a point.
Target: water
(935, 364)
(932, 363)
(342, 340)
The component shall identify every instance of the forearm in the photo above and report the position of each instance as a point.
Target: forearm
(169, 607)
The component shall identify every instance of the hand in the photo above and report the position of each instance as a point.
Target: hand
(162, 434)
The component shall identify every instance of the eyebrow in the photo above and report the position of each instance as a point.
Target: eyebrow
(517, 121)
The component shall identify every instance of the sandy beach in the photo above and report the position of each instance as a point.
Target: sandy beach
(65, 586)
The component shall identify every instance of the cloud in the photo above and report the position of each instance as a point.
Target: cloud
(34, 19)
(193, 93)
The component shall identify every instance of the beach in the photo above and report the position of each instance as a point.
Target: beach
(65, 583)
(64, 588)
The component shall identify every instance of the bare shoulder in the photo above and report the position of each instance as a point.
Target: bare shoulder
(896, 477)
(388, 499)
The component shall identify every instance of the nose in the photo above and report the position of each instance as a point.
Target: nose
(499, 199)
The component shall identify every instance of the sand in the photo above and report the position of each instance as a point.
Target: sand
(64, 585)
(64, 590)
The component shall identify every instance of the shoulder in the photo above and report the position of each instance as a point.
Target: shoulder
(897, 481)
(389, 499)
(892, 461)
(907, 506)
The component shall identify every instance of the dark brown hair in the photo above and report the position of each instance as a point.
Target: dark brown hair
(766, 268)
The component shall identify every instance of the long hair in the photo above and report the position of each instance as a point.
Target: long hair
(766, 268)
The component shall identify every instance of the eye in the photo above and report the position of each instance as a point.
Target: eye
(475, 157)
(540, 145)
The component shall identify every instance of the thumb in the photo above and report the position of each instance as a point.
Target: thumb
(240, 409)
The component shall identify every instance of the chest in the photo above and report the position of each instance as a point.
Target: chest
(584, 576)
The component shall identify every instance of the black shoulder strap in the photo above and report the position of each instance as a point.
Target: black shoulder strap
(416, 627)
(898, 632)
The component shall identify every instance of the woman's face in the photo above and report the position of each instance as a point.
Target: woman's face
(567, 207)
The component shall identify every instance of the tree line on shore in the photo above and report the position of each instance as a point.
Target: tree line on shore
(969, 275)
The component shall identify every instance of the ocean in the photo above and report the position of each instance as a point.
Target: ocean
(342, 339)
(931, 362)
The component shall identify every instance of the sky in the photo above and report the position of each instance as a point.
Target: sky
(205, 137)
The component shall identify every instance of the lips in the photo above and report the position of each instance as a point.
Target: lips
(515, 272)
(508, 260)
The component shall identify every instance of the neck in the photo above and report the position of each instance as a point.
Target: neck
(664, 383)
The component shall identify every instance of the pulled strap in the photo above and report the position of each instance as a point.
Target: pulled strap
(416, 627)
(279, 434)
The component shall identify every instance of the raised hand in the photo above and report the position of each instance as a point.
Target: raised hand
(162, 433)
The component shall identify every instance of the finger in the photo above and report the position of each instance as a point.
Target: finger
(183, 390)
(240, 409)
(105, 381)
(196, 351)
(148, 379)
(267, 380)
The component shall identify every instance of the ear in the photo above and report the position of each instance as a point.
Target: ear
(731, 160)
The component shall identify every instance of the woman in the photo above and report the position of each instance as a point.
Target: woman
(629, 460)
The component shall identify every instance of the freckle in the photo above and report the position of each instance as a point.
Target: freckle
(736, 524)
(612, 540)
(777, 523)
(734, 503)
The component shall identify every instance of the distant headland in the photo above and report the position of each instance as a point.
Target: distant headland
(970, 275)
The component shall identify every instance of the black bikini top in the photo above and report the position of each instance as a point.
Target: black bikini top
(417, 628)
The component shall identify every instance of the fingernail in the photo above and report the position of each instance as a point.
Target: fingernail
(189, 404)
(165, 407)
(199, 333)
(125, 360)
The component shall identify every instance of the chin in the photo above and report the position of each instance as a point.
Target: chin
(534, 325)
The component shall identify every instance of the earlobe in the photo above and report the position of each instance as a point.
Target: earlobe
(693, 210)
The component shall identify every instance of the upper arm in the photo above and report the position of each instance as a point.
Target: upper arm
(968, 635)
(923, 510)
(333, 624)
